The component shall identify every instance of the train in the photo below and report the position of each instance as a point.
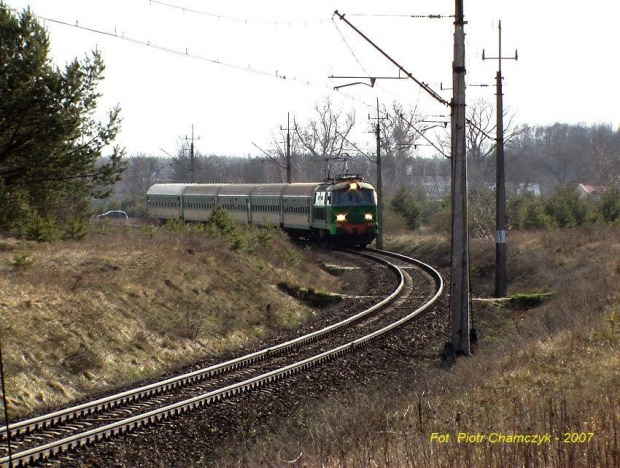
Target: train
(339, 211)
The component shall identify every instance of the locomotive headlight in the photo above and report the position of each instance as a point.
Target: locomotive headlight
(353, 186)
(368, 216)
(341, 217)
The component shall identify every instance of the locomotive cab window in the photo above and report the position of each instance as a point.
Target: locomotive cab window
(353, 197)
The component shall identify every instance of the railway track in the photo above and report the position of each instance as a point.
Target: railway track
(47, 436)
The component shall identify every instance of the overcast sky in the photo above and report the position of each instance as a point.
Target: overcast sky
(568, 69)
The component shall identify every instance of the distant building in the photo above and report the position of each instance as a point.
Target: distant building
(593, 192)
(533, 189)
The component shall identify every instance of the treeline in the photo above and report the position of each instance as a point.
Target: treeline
(565, 207)
(561, 154)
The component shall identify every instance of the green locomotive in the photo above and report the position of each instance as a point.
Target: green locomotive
(341, 211)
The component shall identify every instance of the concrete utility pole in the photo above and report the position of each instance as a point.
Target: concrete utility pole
(191, 156)
(379, 183)
(288, 147)
(501, 278)
(459, 287)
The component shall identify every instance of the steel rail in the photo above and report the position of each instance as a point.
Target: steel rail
(65, 415)
(104, 432)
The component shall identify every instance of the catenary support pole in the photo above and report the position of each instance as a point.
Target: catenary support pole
(191, 156)
(288, 148)
(379, 184)
(459, 287)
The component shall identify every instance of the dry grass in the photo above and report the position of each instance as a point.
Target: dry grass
(553, 369)
(127, 304)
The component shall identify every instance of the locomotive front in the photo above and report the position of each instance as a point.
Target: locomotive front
(352, 212)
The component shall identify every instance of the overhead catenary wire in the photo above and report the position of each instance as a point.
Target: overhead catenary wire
(170, 50)
(422, 84)
(185, 53)
(419, 132)
(235, 19)
(350, 49)
(374, 161)
(279, 22)
(78, 24)
(373, 81)
(387, 15)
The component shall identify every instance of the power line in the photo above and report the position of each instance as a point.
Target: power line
(501, 276)
(187, 54)
(230, 18)
(362, 153)
(167, 49)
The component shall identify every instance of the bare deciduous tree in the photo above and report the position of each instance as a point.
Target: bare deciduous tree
(323, 137)
(401, 132)
(481, 140)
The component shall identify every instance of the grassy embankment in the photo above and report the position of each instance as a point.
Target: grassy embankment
(128, 304)
(548, 363)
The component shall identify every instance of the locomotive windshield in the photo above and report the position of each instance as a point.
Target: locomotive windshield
(354, 197)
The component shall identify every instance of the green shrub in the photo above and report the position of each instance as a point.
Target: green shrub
(238, 241)
(533, 215)
(265, 236)
(177, 225)
(148, 230)
(429, 208)
(405, 204)
(441, 220)
(566, 207)
(135, 207)
(515, 207)
(609, 205)
(76, 229)
(39, 229)
(220, 223)
(21, 259)
(291, 257)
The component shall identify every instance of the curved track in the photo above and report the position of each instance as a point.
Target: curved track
(37, 439)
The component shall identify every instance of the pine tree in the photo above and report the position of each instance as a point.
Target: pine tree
(50, 143)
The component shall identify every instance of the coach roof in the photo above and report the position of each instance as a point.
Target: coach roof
(166, 189)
